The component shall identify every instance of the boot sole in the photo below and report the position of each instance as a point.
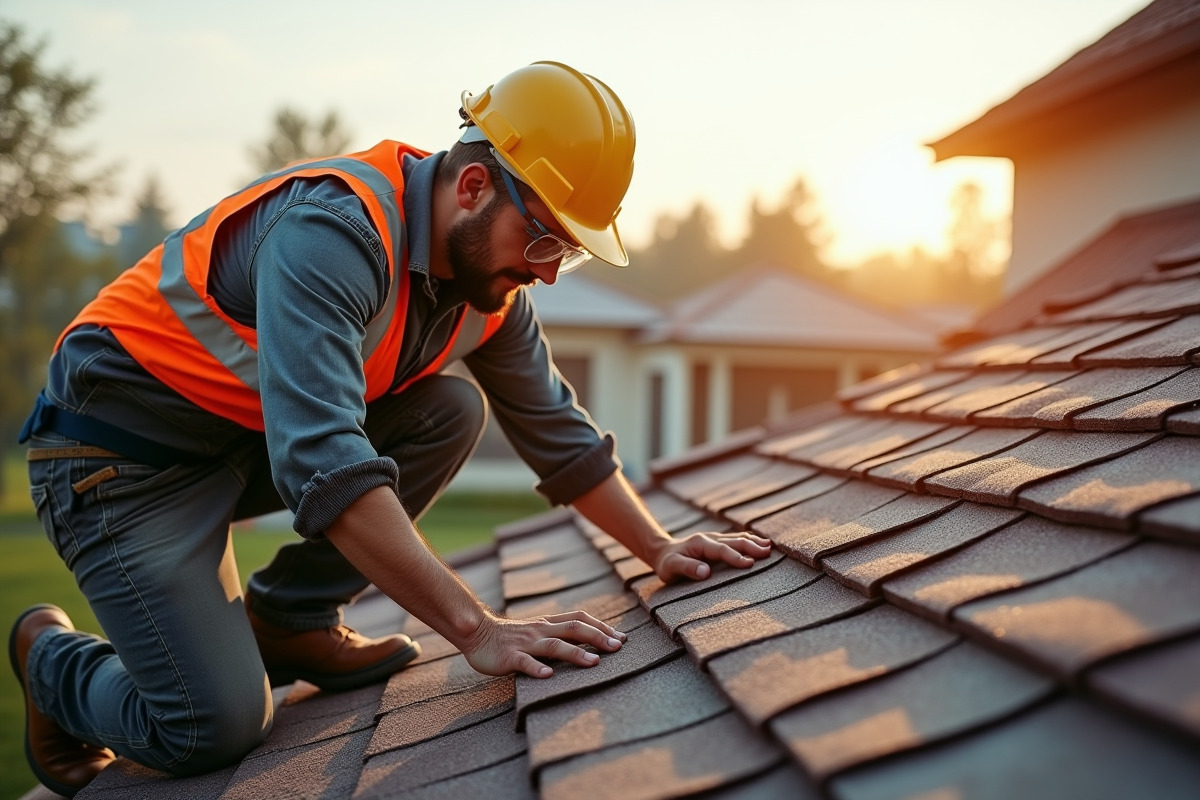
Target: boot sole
(51, 784)
(344, 681)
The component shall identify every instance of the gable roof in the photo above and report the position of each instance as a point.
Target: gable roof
(771, 308)
(1159, 34)
(578, 301)
(984, 584)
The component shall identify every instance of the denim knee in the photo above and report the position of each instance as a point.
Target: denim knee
(227, 731)
(465, 402)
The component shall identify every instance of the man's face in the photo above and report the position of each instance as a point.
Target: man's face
(487, 253)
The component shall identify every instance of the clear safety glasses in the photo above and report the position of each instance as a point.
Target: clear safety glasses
(545, 247)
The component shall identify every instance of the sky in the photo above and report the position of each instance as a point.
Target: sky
(732, 101)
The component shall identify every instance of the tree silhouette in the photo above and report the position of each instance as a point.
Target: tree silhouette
(295, 137)
(790, 237)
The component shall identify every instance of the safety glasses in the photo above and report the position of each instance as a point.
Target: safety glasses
(545, 247)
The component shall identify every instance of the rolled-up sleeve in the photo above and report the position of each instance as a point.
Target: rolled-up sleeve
(537, 410)
(319, 276)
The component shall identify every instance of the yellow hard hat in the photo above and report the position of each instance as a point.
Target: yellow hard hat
(569, 137)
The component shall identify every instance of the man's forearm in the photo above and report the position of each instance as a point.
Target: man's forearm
(378, 538)
(615, 507)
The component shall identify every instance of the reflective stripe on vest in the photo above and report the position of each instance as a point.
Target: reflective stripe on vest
(161, 312)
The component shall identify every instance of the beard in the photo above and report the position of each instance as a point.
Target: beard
(469, 249)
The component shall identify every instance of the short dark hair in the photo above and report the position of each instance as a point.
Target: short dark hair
(462, 154)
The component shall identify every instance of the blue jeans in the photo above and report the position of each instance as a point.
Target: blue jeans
(179, 685)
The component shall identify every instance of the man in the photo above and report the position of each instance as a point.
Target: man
(284, 348)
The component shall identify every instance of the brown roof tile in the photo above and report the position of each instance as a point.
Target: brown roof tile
(647, 645)
(999, 478)
(307, 715)
(1164, 345)
(1111, 333)
(792, 526)
(760, 506)
(972, 384)
(960, 407)
(696, 483)
(1138, 301)
(779, 475)
(1143, 595)
(472, 748)
(1055, 406)
(1178, 519)
(438, 678)
(867, 566)
(903, 512)
(507, 780)
(1161, 682)
(717, 752)
(918, 386)
(603, 598)
(125, 780)
(787, 575)
(814, 603)
(874, 442)
(438, 716)
(1146, 410)
(946, 434)
(652, 592)
(327, 768)
(662, 699)
(1051, 752)
(781, 445)
(766, 678)
(1030, 550)
(1112, 493)
(1185, 422)
(909, 472)
(879, 383)
(573, 570)
(956, 690)
(549, 545)
(1016, 347)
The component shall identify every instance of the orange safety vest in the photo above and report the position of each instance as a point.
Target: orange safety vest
(161, 312)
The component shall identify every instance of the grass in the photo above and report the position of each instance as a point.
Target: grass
(31, 572)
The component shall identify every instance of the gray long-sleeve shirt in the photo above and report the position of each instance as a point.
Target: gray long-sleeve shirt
(305, 267)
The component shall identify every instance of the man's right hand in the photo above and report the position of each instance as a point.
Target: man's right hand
(500, 646)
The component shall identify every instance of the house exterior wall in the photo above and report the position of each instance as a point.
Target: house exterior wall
(1134, 149)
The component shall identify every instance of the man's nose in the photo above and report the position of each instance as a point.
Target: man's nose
(546, 272)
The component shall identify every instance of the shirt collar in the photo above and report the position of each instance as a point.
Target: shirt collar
(419, 174)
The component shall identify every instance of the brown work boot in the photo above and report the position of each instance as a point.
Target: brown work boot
(335, 659)
(61, 762)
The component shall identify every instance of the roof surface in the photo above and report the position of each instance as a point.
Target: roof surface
(1159, 34)
(577, 301)
(984, 585)
(771, 308)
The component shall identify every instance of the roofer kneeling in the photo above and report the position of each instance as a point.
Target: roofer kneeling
(284, 349)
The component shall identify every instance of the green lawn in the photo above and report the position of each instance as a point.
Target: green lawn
(30, 572)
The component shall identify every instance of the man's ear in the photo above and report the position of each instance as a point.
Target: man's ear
(474, 186)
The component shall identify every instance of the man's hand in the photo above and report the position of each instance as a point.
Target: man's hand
(690, 556)
(500, 646)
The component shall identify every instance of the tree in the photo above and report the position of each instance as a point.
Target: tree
(148, 228)
(294, 137)
(789, 237)
(39, 175)
(683, 256)
(974, 272)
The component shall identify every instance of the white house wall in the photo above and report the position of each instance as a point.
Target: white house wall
(1145, 154)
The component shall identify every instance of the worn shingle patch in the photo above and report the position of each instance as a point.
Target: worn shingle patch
(652, 592)
(438, 716)
(906, 510)
(1048, 753)
(1029, 550)
(1111, 334)
(1147, 410)
(999, 478)
(814, 603)
(867, 566)
(761, 505)
(662, 699)
(329, 768)
(550, 545)
(602, 598)
(1110, 494)
(395, 771)
(1055, 406)
(1164, 345)
(787, 575)
(1179, 519)
(956, 690)
(1162, 682)
(574, 570)
(438, 678)
(778, 475)
(766, 678)
(908, 472)
(1144, 595)
(646, 646)
(791, 527)
(717, 752)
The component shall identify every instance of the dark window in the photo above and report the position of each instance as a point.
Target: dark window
(757, 389)
(656, 415)
(699, 403)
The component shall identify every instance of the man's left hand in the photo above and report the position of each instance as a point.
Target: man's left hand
(690, 556)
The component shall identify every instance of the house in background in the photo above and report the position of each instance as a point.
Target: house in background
(747, 350)
(1112, 131)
